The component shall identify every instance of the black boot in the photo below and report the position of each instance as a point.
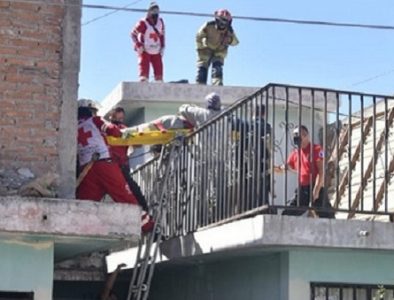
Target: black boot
(202, 75)
(217, 73)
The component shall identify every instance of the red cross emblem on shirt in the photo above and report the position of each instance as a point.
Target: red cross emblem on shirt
(154, 36)
(83, 136)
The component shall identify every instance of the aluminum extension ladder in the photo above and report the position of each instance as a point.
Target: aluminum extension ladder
(149, 245)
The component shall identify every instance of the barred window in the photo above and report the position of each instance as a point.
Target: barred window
(340, 291)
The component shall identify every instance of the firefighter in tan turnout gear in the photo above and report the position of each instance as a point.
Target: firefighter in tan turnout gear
(213, 40)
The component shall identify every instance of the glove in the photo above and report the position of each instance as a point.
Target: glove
(162, 52)
(204, 42)
(139, 48)
(228, 40)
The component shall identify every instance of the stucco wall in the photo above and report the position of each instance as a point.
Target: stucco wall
(239, 278)
(345, 266)
(27, 267)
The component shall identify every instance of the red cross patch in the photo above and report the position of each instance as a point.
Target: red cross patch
(154, 36)
(83, 136)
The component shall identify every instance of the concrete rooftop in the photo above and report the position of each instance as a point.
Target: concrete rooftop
(75, 227)
(270, 233)
(165, 98)
(136, 94)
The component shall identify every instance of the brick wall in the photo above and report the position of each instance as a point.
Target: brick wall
(33, 82)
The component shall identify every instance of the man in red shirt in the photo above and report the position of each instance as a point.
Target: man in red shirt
(148, 38)
(307, 161)
(119, 156)
(103, 176)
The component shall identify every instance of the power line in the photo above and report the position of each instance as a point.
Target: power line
(248, 18)
(110, 13)
(261, 19)
(373, 77)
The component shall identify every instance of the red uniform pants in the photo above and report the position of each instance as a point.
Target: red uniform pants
(145, 59)
(105, 178)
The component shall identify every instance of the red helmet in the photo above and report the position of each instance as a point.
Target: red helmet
(224, 15)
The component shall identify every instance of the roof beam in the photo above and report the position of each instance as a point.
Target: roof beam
(370, 167)
(355, 157)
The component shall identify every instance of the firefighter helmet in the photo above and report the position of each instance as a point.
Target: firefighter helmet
(223, 15)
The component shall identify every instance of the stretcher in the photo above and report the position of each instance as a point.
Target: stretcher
(151, 137)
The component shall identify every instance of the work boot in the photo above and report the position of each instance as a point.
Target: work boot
(202, 75)
(147, 222)
(217, 73)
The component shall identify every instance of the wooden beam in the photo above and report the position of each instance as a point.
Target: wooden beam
(370, 167)
(356, 154)
(380, 194)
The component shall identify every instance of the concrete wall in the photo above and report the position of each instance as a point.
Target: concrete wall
(276, 276)
(39, 65)
(339, 266)
(27, 267)
(252, 278)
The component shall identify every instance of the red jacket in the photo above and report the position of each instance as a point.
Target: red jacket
(119, 153)
(138, 32)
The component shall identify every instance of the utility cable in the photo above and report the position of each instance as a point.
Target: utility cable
(261, 19)
(110, 13)
(373, 78)
(248, 18)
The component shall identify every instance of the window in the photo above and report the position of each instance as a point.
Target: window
(339, 291)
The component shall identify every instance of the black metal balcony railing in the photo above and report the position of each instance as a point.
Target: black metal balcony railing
(226, 168)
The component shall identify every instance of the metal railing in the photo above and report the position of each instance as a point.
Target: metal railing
(227, 167)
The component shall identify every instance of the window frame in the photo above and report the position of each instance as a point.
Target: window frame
(341, 286)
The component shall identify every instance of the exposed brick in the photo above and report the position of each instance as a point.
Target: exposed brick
(5, 4)
(30, 83)
(25, 6)
(7, 51)
(23, 43)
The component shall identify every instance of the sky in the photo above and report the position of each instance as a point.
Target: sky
(321, 56)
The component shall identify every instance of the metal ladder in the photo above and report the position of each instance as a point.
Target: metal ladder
(149, 245)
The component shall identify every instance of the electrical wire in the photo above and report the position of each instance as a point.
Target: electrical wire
(261, 19)
(373, 78)
(109, 13)
(248, 18)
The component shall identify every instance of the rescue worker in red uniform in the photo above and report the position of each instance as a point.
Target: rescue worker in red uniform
(148, 37)
(103, 176)
(213, 40)
(119, 156)
(307, 161)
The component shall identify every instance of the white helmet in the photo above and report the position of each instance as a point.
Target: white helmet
(88, 103)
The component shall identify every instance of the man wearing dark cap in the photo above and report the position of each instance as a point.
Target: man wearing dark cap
(307, 161)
